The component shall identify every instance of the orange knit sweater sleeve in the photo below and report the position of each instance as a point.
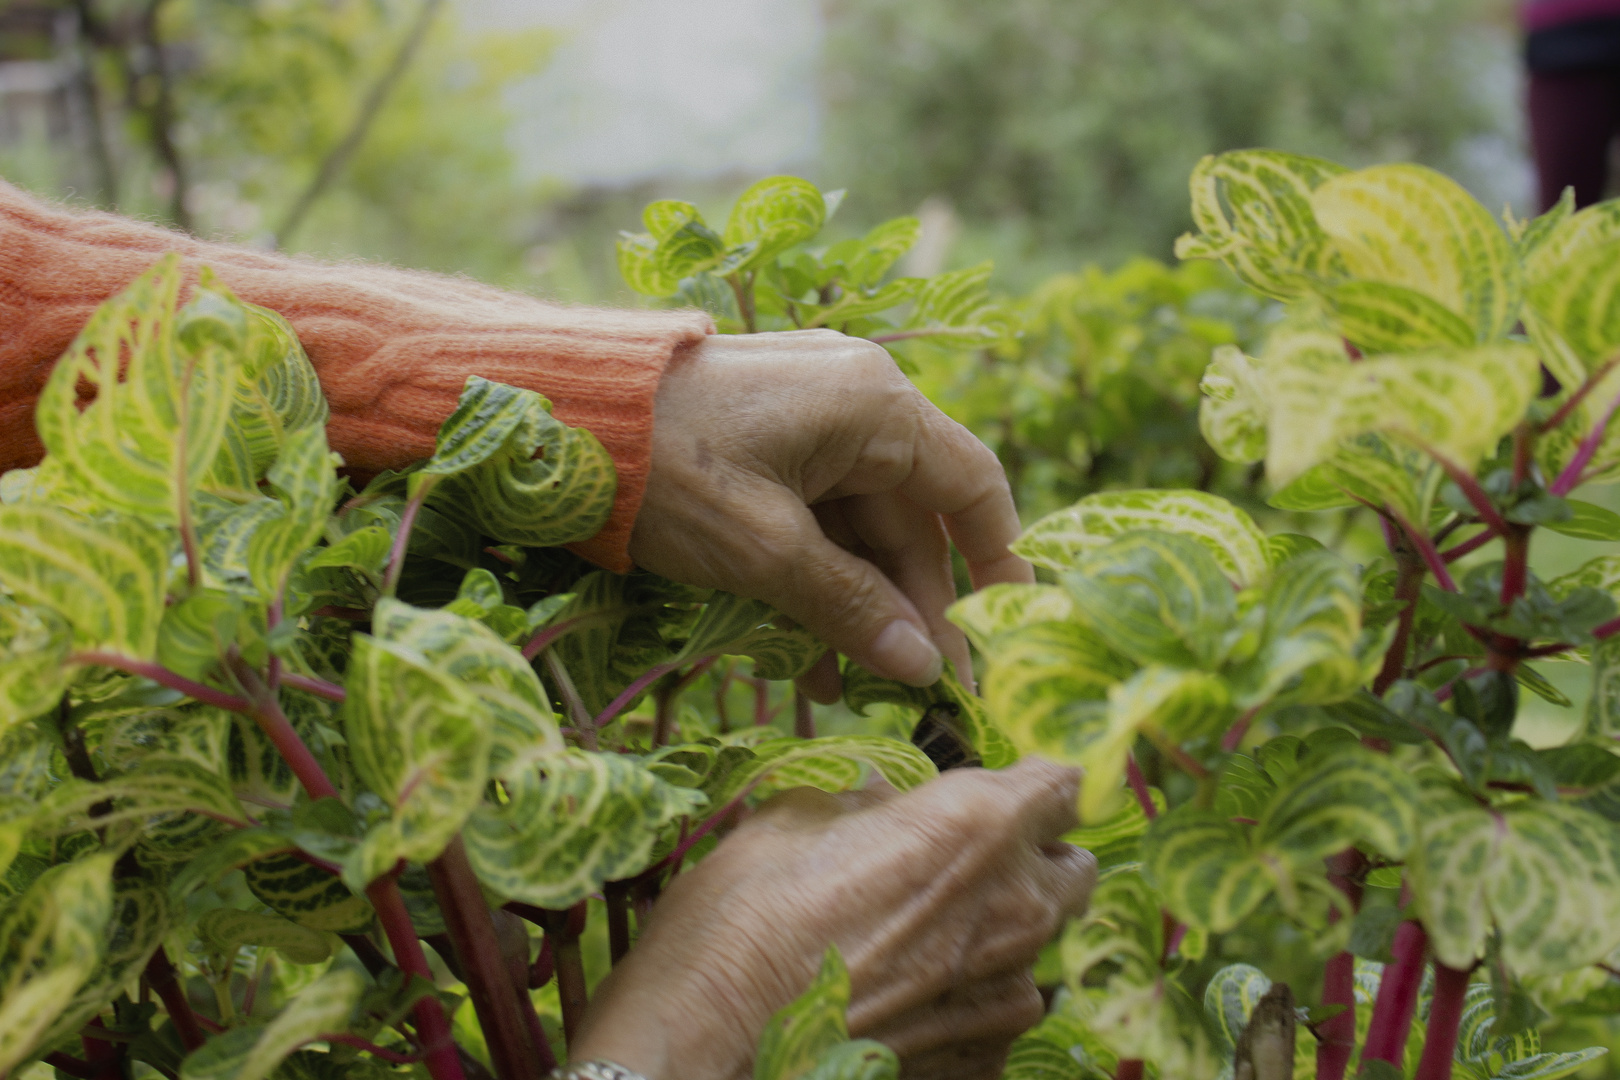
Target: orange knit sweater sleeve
(392, 348)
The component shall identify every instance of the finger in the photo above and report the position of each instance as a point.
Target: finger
(841, 598)
(982, 1060)
(999, 1007)
(1071, 875)
(909, 545)
(1033, 800)
(957, 476)
(822, 683)
(797, 808)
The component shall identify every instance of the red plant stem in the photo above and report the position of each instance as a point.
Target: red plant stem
(1477, 497)
(67, 1063)
(1431, 558)
(1179, 757)
(1472, 544)
(273, 665)
(432, 1028)
(804, 720)
(392, 1056)
(1336, 1036)
(672, 861)
(544, 966)
(721, 711)
(161, 977)
(1130, 1069)
(1397, 996)
(282, 735)
(616, 706)
(577, 712)
(546, 635)
(348, 614)
(1570, 478)
(1139, 786)
(1523, 444)
(402, 538)
(368, 954)
(1408, 585)
(570, 966)
(1445, 1017)
(617, 895)
(1234, 734)
(1607, 630)
(472, 936)
(164, 677)
(1579, 395)
(1515, 563)
(762, 701)
(311, 685)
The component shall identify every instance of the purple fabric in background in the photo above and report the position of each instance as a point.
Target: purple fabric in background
(1573, 115)
(1541, 14)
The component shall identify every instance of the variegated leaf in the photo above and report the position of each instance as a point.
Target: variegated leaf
(1414, 228)
(1233, 412)
(225, 930)
(1229, 1001)
(1058, 1048)
(159, 785)
(1459, 403)
(735, 626)
(255, 1051)
(520, 717)
(773, 215)
(303, 479)
(1178, 702)
(105, 579)
(953, 309)
(421, 741)
(1059, 540)
(813, 1023)
(34, 647)
(993, 745)
(52, 939)
(832, 763)
(998, 609)
(1383, 318)
(1202, 863)
(1603, 707)
(1546, 875)
(1035, 676)
(1367, 467)
(140, 916)
(308, 895)
(1570, 283)
(164, 385)
(1307, 651)
(1155, 597)
(517, 473)
(1271, 239)
(641, 268)
(1341, 797)
(571, 821)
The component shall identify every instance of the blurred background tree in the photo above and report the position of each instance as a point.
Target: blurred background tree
(1064, 129)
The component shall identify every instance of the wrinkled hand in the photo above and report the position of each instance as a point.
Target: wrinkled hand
(805, 470)
(939, 900)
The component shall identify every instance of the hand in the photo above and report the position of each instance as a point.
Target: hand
(939, 900)
(805, 470)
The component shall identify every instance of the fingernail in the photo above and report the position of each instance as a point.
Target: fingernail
(906, 654)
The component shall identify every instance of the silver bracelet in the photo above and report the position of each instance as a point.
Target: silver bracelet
(594, 1070)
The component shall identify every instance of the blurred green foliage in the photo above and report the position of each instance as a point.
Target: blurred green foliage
(1069, 126)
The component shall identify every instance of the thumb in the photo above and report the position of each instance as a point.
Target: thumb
(848, 603)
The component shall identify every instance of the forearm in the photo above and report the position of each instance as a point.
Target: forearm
(392, 348)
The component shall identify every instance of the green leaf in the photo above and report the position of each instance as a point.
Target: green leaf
(521, 723)
(1384, 318)
(52, 939)
(225, 930)
(1232, 412)
(1307, 651)
(1059, 540)
(306, 487)
(1366, 468)
(954, 310)
(999, 609)
(277, 394)
(34, 647)
(1550, 1066)
(799, 1033)
(1200, 861)
(858, 1059)
(308, 895)
(164, 385)
(1058, 1048)
(197, 632)
(1229, 1001)
(140, 916)
(1271, 239)
(1155, 597)
(1349, 796)
(868, 258)
(832, 763)
(1588, 522)
(571, 821)
(517, 473)
(641, 268)
(1412, 227)
(420, 740)
(159, 785)
(1576, 302)
(1179, 703)
(1545, 874)
(253, 1052)
(1036, 675)
(618, 637)
(104, 578)
(366, 550)
(735, 626)
(1372, 934)
(773, 215)
(1460, 403)
(1603, 707)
